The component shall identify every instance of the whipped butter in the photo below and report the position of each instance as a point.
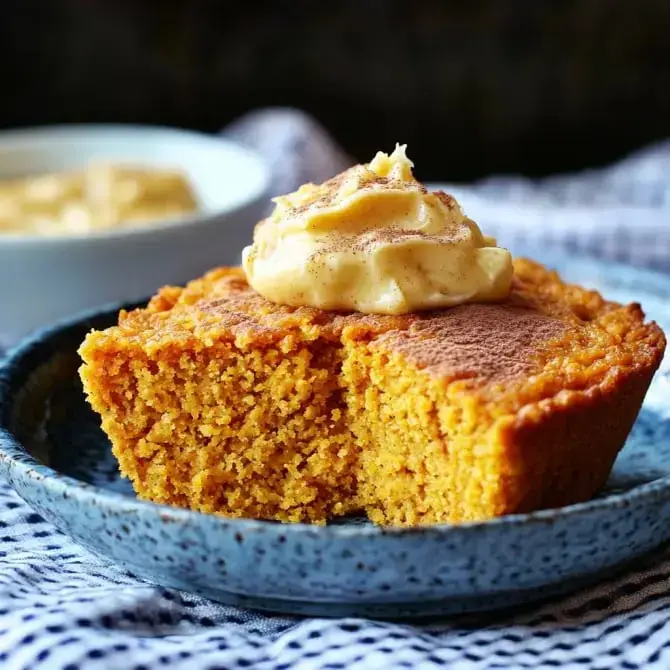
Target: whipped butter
(374, 240)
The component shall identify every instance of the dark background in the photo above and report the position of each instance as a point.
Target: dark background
(474, 87)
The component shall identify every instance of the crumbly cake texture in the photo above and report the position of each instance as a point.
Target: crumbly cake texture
(218, 400)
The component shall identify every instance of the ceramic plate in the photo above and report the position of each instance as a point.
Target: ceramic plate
(53, 453)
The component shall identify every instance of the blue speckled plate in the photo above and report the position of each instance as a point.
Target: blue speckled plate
(55, 456)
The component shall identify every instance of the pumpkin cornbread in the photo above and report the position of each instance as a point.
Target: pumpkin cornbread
(219, 400)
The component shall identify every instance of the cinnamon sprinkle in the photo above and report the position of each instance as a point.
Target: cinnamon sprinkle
(486, 342)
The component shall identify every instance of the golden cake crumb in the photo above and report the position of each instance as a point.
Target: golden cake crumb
(218, 400)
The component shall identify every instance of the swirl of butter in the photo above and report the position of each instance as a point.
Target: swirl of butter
(374, 240)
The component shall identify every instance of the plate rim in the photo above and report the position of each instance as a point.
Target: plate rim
(14, 457)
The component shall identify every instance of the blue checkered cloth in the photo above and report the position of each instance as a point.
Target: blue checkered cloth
(62, 608)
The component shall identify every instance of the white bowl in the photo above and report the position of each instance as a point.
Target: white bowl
(43, 279)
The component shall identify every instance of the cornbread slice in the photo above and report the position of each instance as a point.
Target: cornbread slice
(218, 400)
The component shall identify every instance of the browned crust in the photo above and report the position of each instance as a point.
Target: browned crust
(567, 444)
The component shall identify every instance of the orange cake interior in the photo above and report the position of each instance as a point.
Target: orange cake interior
(218, 400)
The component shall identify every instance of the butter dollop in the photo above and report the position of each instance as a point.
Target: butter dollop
(374, 240)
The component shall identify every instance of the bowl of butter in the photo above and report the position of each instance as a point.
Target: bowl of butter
(96, 214)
